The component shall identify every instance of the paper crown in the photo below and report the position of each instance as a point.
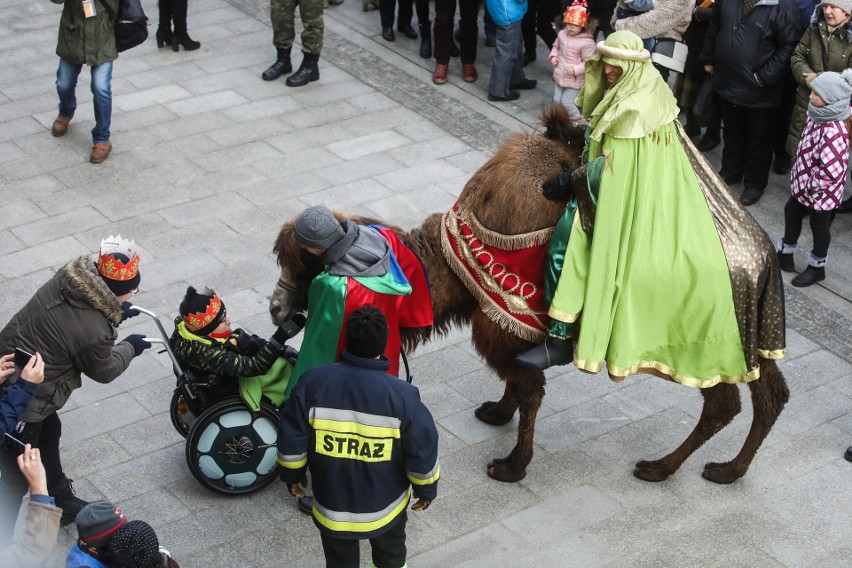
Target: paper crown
(577, 13)
(200, 320)
(113, 267)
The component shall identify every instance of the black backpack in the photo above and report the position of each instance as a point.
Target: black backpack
(130, 24)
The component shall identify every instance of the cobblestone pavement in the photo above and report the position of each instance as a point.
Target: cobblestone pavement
(209, 160)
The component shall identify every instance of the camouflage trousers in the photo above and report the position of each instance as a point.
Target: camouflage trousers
(283, 14)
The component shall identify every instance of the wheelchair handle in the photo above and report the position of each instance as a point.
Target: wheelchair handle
(164, 341)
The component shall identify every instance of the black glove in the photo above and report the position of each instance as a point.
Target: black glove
(288, 329)
(138, 342)
(559, 188)
(128, 311)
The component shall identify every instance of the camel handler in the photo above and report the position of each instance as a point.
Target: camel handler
(659, 272)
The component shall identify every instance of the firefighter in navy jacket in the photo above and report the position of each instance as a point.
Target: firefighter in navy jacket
(369, 442)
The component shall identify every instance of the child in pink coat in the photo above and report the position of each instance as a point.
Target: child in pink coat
(573, 46)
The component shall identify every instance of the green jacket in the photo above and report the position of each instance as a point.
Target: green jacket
(88, 41)
(817, 51)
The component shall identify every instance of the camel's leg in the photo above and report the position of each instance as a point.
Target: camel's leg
(721, 404)
(500, 412)
(769, 394)
(529, 391)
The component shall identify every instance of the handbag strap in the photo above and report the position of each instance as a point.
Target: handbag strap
(110, 12)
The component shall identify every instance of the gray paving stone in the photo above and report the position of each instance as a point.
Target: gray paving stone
(64, 224)
(143, 474)
(157, 507)
(44, 255)
(96, 454)
(490, 546)
(206, 103)
(406, 180)
(809, 409)
(84, 422)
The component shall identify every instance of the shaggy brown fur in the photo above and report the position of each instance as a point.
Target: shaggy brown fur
(505, 195)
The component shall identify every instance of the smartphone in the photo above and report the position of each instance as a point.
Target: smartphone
(14, 439)
(22, 357)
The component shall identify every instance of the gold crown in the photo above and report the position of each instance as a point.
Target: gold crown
(113, 268)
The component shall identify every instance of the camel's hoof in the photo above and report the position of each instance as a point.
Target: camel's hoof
(503, 469)
(651, 471)
(487, 414)
(723, 473)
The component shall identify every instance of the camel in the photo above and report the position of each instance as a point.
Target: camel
(505, 195)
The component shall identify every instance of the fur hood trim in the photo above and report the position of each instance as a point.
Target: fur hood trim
(83, 277)
(845, 31)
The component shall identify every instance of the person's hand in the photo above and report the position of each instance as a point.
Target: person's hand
(554, 61)
(421, 505)
(33, 372)
(32, 469)
(7, 367)
(708, 69)
(128, 311)
(558, 188)
(138, 342)
(809, 77)
(297, 489)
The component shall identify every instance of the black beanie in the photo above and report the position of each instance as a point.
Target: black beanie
(201, 312)
(366, 332)
(121, 287)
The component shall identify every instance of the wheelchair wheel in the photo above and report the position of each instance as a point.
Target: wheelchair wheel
(231, 450)
(182, 417)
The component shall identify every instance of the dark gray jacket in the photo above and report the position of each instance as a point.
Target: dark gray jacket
(71, 320)
(741, 46)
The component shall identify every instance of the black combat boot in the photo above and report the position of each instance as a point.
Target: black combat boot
(425, 41)
(554, 351)
(308, 71)
(63, 495)
(282, 65)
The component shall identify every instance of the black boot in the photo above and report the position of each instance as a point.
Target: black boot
(407, 31)
(282, 65)
(786, 262)
(425, 41)
(810, 276)
(180, 36)
(164, 30)
(63, 495)
(306, 505)
(308, 71)
(554, 351)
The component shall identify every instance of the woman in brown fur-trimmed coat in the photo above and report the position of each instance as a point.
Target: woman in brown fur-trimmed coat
(825, 46)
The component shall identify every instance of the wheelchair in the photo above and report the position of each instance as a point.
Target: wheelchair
(230, 449)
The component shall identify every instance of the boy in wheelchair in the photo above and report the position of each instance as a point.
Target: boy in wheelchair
(204, 341)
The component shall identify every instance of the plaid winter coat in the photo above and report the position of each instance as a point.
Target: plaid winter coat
(822, 158)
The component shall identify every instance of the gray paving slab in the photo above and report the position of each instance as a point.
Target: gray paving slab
(209, 161)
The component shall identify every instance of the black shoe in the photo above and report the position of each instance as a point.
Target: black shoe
(308, 71)
(529, 57)
(554, 351)
(786, 262)
(306, 505)
(848, 454)
(810, 276)
(524, 85)
(425, 42)
(407, 31)
(184, 41)
(387, 34)
(65, 498)
(164, 38)
(730, 178)
(691, 129)
(845, 207)
(751, 195)
(782, 165)
(276, 70)
(511, 96)
(708, 142)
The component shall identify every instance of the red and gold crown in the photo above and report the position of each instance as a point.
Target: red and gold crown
(577, 13)
(114, 268)
(200, 320)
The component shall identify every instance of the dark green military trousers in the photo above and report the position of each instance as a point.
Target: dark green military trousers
(284, 28)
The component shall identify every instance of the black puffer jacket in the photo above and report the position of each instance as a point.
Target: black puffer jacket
(741, 46)
(71, 321)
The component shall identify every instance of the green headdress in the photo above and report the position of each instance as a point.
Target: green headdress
(638, 104)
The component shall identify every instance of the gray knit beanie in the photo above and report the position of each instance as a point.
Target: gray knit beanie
(845, 5)
(317, 227)
(832, 87)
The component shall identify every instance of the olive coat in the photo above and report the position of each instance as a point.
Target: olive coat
(819, 50)
(86, 41)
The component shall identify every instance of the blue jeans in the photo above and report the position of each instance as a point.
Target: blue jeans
(66, 85)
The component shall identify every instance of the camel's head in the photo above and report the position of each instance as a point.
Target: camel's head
(298, 268)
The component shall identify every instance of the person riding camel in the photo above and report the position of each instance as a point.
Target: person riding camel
(660, 284)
